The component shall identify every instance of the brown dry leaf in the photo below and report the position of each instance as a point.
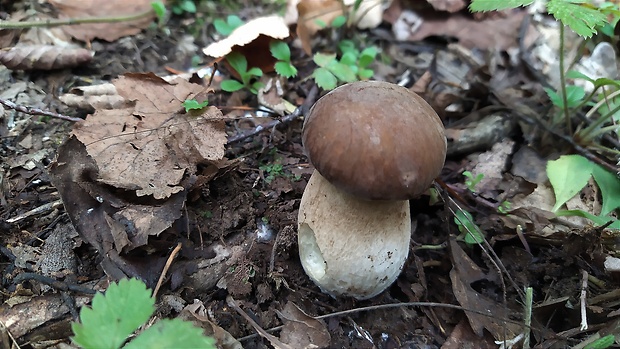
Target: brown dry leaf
(463, 274)
(44, 57)
(102, 96)
(448, 5)
(151, 146)
(108, 8)
(197, 313)
(311, 13)
(301, 330)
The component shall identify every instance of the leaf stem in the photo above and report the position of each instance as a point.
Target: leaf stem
(563, 81)
(73, 21)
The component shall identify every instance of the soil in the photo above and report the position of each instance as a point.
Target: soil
(250, 206)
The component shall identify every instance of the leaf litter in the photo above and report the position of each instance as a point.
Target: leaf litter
(141, 173)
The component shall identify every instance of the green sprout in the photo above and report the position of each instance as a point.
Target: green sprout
(240, 64)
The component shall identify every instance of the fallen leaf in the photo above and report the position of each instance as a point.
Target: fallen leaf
(448, 5)
(463, 274)
(197, 313)
(44, 57)
(301, 330)
(108, 8)
(151, 146)
(313, 15)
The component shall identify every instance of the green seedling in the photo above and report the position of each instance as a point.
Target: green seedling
(281, 52)
(122, 310)
(180, 6)
(472, 181)
(351, 66)
(471, 234)
(160, 11)
(602, 343)
(192, 104)
(272, 170)
(569, 175)
(504, 207)
(226, 27)
(240, 64)
(337, 22)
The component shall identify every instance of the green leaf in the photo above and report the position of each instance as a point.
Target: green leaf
(496, 5)
(367, 56)
(114, 316)
(365, 74)
(256, 86)
(339, 21)
(325, 79)
(280, 51)
(574, 95)
(470, 232)
(238, 62)
(323, 60)
(227, 27)
(602, 343)
(320, 23)
(231, 85)
(160, 11)
(192, 104)
(582, 19)
(348, 46)
(285, 69)
(234, 21)
(342, 71)
(596, 220)
(348, 58)
(568, 175)
(171, 334)
(255, 71)
(188, 6)
(609, 184)
(573, 74)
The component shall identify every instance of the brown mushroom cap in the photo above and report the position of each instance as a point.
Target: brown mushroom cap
(375, 140)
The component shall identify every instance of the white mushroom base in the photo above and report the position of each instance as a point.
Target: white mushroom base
(349, 246)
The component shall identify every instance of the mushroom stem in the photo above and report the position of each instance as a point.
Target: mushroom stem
(350, 246)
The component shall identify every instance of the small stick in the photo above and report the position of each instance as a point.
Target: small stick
(528, 316)
(166, 267)
(37, 111)
(72, 21)
(582, 300)
(285, 119)
(36, 211)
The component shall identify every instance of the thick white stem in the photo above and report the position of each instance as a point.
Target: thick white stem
(349, 246)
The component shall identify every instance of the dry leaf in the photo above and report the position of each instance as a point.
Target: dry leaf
(311, 13)
(448, 5)
(463, 274)
(108, 8)
(301, 330)
(102, 96)
(44, 57)
(151, 146)
(197, 313)
(272, 27)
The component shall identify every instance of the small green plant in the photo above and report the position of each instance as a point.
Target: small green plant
(570, 173)
(272, 170)
(471, 234)
(226, 27)
(471, 181)
(602, 343)
(504, 207)
(181, 6)
(351, 66)
(281, 52)
(206, 214)
(192, 104)
(240, 64)
(123, 309)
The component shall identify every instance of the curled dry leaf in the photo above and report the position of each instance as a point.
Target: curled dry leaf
(151, 146)
(44, 57)
(301, 330)
(271, 26)
(108, 8)
(102, 96)
(251, 40)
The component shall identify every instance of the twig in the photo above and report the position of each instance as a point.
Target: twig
(73, 21)
(6, 330)
(173, 254)
(301, 110)
(57, 284)
(582, 300)
(37, 111)
(390, 306)
(36, 211)
(528, 316)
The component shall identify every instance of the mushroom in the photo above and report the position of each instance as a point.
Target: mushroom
(374, 146)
